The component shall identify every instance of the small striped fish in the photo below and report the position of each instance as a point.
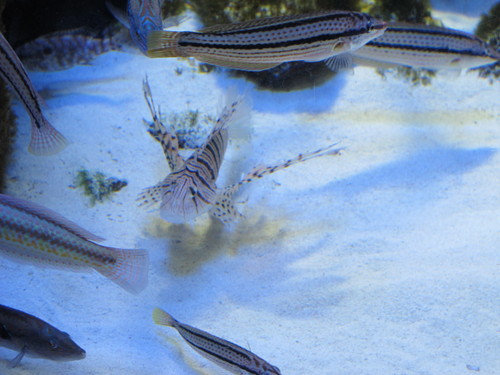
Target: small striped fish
(38, 235)
(33, 337)
(431, 47)
(45, 139)
(229, 356)
(265, 43)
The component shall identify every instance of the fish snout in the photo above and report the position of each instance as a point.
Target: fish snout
(376, 27)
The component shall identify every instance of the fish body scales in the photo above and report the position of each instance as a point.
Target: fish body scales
(144, 16)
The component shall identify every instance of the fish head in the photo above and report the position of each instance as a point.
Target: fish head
(55, 345)
(271, 370)
(492, 52)
(367, 28)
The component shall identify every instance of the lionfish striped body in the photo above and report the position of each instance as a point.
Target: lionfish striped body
(45, 139)
(431, 47)
(226, 354)
(191, 189)
(38, 235)
(264, 43)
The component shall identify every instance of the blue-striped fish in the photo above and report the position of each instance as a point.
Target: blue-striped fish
(424, 46)
(33, 337)
(265, 43)
(33, 233)
(143, 16)
(190, 189)
(226, 354)
(45, 139)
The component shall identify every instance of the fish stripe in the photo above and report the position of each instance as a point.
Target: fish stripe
(412, 47)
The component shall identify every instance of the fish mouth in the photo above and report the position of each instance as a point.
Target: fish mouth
(378, 27)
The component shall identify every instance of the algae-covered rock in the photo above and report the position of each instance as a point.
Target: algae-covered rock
(414, 11)
(97, 186)
(489, 29)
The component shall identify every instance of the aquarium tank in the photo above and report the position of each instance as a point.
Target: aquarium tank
(249, 187)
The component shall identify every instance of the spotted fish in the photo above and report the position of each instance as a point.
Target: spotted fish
(226, 354)
(45, 139)
(33, 337)
(265, 43)
(190, 189)
(425, 46)
(33, 233)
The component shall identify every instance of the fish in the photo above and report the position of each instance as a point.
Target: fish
(45, 139)
(35, 234)
(190, 189)
(142, 17)
(226, 354)
(426, 46)
(34, 337)
(63, 50)
(265, 43)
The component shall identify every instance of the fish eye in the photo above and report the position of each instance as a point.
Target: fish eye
(53, 344)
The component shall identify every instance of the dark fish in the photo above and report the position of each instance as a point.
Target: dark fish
(45, 139)
(33, 337)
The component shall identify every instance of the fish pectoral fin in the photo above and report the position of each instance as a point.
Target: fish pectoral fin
(150, 196)
(224, 210)
(340, 62)
(17, 359)
(119, 14)
(250, 66)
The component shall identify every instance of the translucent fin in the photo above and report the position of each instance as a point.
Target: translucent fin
(158, 131)
(45, 139)
(163, 318)
(119, 14)
(223, 208)
(174, 20)
(340, 62)
(240, 65)
(150, 196)
(48, 215)
(163, 44)
(130, 270)
(17, 359)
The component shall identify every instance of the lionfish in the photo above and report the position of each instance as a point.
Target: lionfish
(190, 189)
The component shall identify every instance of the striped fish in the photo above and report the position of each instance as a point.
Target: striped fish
(229, 356)
(45, 139)
(191, 190)
(33, 337)
(142, 17)
(265, 43)
(431, 47)
(32, 233)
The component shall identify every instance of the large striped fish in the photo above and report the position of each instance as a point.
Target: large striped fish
(226, 354)
(45, 139)
(35, 234)
(190, 189)
(265, 43)
(424, 46)
(33, 337)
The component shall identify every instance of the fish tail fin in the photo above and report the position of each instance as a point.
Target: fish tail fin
(163, 318)
(45, 139)
(163, 44)
(130, 269)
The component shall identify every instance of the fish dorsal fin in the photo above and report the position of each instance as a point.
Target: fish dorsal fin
(250, 66)
(119, 14)
(49, 215)
(17, 359)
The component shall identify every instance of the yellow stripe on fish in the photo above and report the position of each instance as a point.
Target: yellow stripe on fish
(35, 234)
(264, 43)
